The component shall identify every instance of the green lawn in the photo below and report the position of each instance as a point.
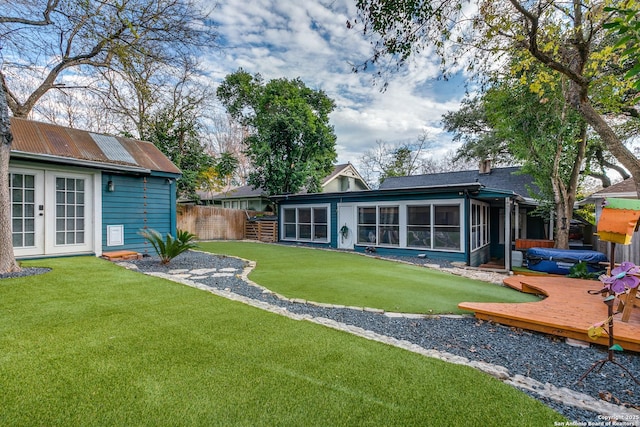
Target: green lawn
(354, 280)
(92, 344)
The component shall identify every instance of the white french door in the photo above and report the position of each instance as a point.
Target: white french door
(52, 212)
(27, 211)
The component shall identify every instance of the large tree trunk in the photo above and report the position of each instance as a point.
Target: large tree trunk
(7, 258)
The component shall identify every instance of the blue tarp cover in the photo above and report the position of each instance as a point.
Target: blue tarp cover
(559, 261)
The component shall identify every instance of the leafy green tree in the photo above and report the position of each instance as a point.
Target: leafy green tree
(626, 26)
(177, 137)
(291, 144)
(545, 135)
(567, 39)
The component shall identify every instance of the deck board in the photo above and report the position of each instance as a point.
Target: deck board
(568, 310)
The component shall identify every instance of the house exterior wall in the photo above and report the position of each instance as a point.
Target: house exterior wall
(137, 202)
(353, 201)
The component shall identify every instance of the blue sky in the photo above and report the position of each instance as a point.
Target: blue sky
(309, 39)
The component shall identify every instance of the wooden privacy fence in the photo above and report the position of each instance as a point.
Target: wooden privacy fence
(213, 223)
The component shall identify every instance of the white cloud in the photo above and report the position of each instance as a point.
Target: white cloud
(310, 40)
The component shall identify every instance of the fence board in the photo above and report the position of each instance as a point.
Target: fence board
(214, 223)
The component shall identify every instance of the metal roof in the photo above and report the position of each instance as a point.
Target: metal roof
(48, 142)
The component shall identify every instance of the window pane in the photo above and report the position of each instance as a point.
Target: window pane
(290, 231)
(418, 215)
(304, 216)
(446, 238)
(320, 215)
(29, 239)
(60, 183)
(447, 215)
(320, 232)
(367, 215)
(367, 234)
(289, 215)
(419, 237)
(304, 231)
(389, 236)
(16, 180)
(389, 215)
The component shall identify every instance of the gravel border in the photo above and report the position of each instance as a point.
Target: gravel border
(547, 360)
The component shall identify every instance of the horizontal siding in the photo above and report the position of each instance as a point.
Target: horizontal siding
(136, 205)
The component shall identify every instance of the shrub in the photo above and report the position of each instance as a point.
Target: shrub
(170, 247)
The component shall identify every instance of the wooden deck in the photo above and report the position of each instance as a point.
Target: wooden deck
(567, 311)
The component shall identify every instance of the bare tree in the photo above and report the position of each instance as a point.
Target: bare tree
(228, 136)
(7, 259)
(61, 45)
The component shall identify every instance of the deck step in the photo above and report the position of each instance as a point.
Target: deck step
(121, 255)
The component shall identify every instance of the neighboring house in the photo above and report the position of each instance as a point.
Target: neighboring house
(459, 216)
(622, 190)
(344, 177)
(76, 192)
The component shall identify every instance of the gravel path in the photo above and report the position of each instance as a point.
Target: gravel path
(545, 359)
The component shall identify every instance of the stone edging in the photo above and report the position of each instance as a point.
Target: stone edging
(559, 394)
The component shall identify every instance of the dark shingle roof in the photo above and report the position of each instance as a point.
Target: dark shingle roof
(499, 178)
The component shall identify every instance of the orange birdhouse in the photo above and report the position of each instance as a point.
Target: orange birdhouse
(619, 220)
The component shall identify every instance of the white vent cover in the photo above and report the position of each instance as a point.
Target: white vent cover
(115, 235)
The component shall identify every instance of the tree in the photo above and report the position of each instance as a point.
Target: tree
(60, 45)
(227, 136)
(545, 135)
(566, 38)
(626, 25)
(175, 133)
(7, 258)
(290, 143)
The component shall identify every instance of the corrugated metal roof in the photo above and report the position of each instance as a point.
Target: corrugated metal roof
(45, 139)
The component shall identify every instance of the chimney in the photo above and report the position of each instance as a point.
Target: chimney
(485, 167)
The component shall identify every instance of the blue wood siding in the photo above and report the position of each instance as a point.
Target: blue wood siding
(138, 202)
(362, 198)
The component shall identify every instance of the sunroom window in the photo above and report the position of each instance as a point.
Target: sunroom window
(379, 225)
(308, 223)
(446, 229)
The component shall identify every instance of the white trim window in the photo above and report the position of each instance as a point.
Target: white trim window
(479, 225)
(446, 227)
(434, 226)
(306, 223)
(379, 225)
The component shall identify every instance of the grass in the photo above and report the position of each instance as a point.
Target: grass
(354, 280)
(92, 344)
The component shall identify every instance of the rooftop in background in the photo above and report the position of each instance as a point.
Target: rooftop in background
(58, 144)
(346, 172)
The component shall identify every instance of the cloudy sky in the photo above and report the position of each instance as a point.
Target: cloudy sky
(310, 40)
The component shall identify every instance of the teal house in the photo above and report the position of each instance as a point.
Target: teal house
(75, 192)
(470, 217)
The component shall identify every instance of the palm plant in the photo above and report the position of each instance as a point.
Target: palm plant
(169, 247)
